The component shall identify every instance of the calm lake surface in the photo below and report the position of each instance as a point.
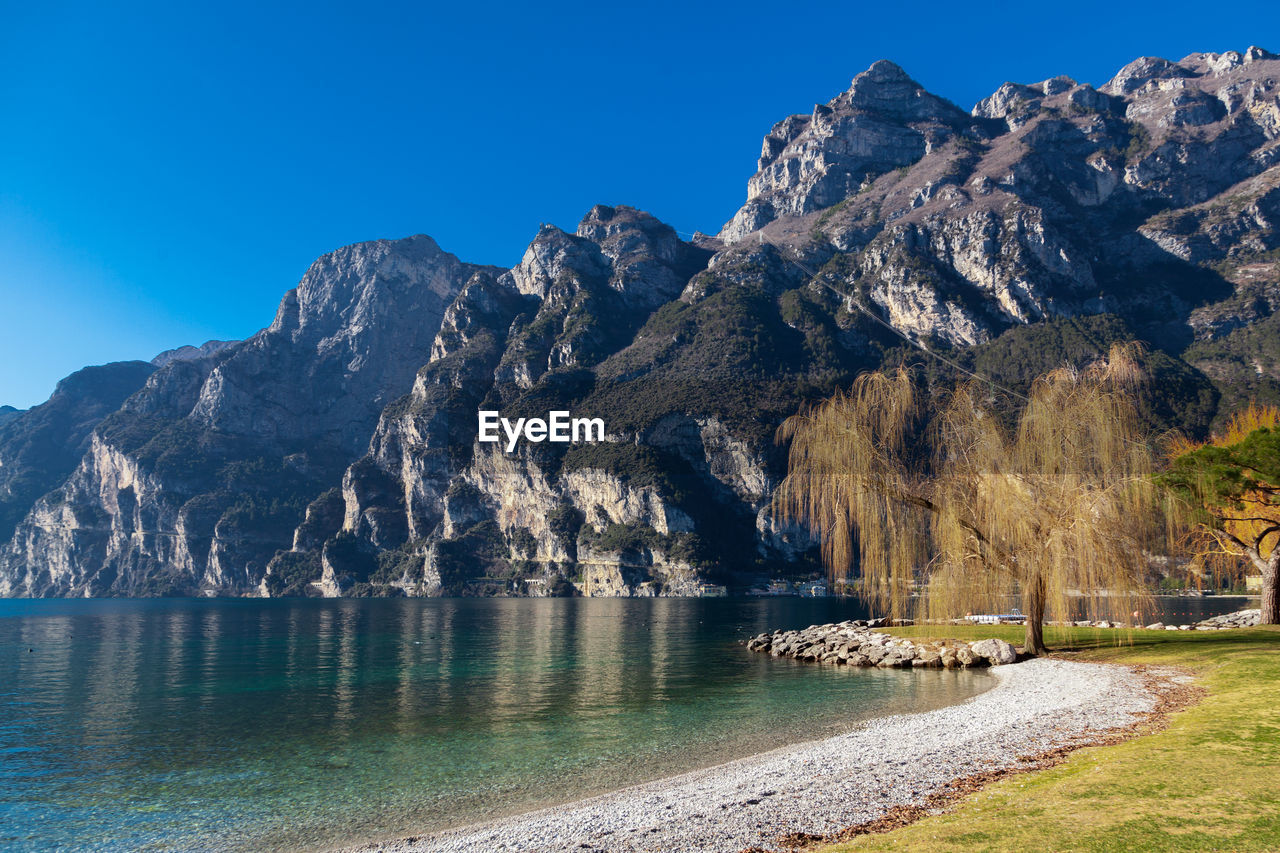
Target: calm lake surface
(297, 724)
(1189, 609)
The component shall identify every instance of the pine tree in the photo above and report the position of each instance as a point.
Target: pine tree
(1227, 497)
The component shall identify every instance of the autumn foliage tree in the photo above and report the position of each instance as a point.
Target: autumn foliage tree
(1227, 496)
(966, 508)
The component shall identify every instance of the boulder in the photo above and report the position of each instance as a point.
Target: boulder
(927, 658)
(997, 651)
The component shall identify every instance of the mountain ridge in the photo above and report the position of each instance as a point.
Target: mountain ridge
(334, 452)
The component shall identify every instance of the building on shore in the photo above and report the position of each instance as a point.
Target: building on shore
(815, 589)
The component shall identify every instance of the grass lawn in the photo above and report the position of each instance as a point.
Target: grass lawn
(1210, 781)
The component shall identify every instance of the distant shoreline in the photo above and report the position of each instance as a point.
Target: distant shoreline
(825, 786)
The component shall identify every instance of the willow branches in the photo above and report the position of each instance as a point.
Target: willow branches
(958, 511)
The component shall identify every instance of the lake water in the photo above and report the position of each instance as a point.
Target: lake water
(300, 724)
(1189, 609)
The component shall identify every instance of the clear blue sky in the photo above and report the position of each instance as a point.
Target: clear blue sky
(168, 170)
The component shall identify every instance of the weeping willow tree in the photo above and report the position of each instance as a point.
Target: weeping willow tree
(967, 508)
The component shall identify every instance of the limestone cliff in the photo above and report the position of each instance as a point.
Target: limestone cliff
(203, 474)
(41, 446)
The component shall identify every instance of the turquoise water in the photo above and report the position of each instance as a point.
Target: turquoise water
(302, 724)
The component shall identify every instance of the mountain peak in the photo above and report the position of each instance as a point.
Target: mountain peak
(1141, 72)
(886, 88)
(882, 71)
(1148, 73)
(603, 222)
(885, 120)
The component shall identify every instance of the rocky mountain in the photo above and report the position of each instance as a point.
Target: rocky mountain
(336, 451)
(198, 479)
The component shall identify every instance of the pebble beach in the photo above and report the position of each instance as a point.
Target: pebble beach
(824, 786)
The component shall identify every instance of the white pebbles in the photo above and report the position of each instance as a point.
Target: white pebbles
(827, 785)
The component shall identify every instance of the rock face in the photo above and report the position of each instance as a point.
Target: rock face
(190, 353)
(884, 121)
(956, 227)
(202, 475)
(336, 451)
(41, 446)
(428, 510)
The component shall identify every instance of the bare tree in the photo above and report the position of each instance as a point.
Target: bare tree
(970, 510)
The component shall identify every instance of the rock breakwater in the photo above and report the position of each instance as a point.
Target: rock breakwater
(1239, 619)
(857, 643)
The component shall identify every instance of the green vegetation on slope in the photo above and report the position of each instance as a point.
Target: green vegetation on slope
(1175, 395)
(1244, 364)
(748, 351)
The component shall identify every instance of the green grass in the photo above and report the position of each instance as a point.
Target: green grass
(1209, 781)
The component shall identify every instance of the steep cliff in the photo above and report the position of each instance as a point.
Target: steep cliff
(428, 510)
(202, 475)
(39, 447)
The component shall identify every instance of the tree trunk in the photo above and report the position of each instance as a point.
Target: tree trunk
(1270, 605)
(1033, 602)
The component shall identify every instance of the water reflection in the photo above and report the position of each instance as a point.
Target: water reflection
(294, 724)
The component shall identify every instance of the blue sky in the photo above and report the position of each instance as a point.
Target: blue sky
(168, 170)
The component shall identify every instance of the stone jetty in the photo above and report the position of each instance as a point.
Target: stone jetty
(1239, 619)
(857, 643)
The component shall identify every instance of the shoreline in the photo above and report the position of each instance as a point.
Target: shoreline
(820, 788)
